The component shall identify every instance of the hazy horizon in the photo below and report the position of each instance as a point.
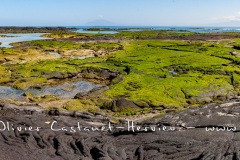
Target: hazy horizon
(134, 26)
(214, 13)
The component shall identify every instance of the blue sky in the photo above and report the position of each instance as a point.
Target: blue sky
(121, 12)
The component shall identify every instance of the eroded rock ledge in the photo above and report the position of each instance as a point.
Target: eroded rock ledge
(94, 74)
(188, 140)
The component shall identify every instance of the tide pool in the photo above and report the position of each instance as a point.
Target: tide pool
(7, 39)
(67, 90)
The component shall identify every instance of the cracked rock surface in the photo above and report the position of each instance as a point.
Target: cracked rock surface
(188, 138)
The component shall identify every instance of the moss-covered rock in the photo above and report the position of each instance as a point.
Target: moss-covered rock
(150, 73)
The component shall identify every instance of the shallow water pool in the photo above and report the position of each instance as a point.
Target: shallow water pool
(67, 90)
(7, 39)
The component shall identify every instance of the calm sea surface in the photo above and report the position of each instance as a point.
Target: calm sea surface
(83, 29)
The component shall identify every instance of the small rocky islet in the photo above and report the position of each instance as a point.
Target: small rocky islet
(184, 85)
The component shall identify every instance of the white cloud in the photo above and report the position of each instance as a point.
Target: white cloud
(235, 17)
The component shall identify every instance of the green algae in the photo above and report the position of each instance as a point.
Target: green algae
(69, 45)
(4, 74)
(157, 74)
(83, 106)
(198, 72)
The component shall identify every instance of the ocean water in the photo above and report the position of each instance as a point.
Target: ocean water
(116, 29)
(12, 38)
(200, 29)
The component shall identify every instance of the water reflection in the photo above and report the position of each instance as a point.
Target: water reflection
(7, 39)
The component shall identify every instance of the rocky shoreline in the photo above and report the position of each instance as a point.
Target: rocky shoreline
(187, 139)
(143, 105)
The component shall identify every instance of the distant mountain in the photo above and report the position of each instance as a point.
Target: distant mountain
(101, 22)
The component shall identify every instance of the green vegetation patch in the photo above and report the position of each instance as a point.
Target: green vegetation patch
(4, 74)
(69, 45)
(173, 73)
(158, 73)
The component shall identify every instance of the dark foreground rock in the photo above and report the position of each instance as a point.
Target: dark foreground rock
(178, 136)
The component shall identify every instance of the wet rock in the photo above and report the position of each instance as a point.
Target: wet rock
(203, 100)
(118, 79)
(142, 104)
(208, 97)
(92, 93)
(53, 75)
(103, 73)
(69, 88)
(106, 74)
(97, 75)
(81, 95)
(123, 105)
